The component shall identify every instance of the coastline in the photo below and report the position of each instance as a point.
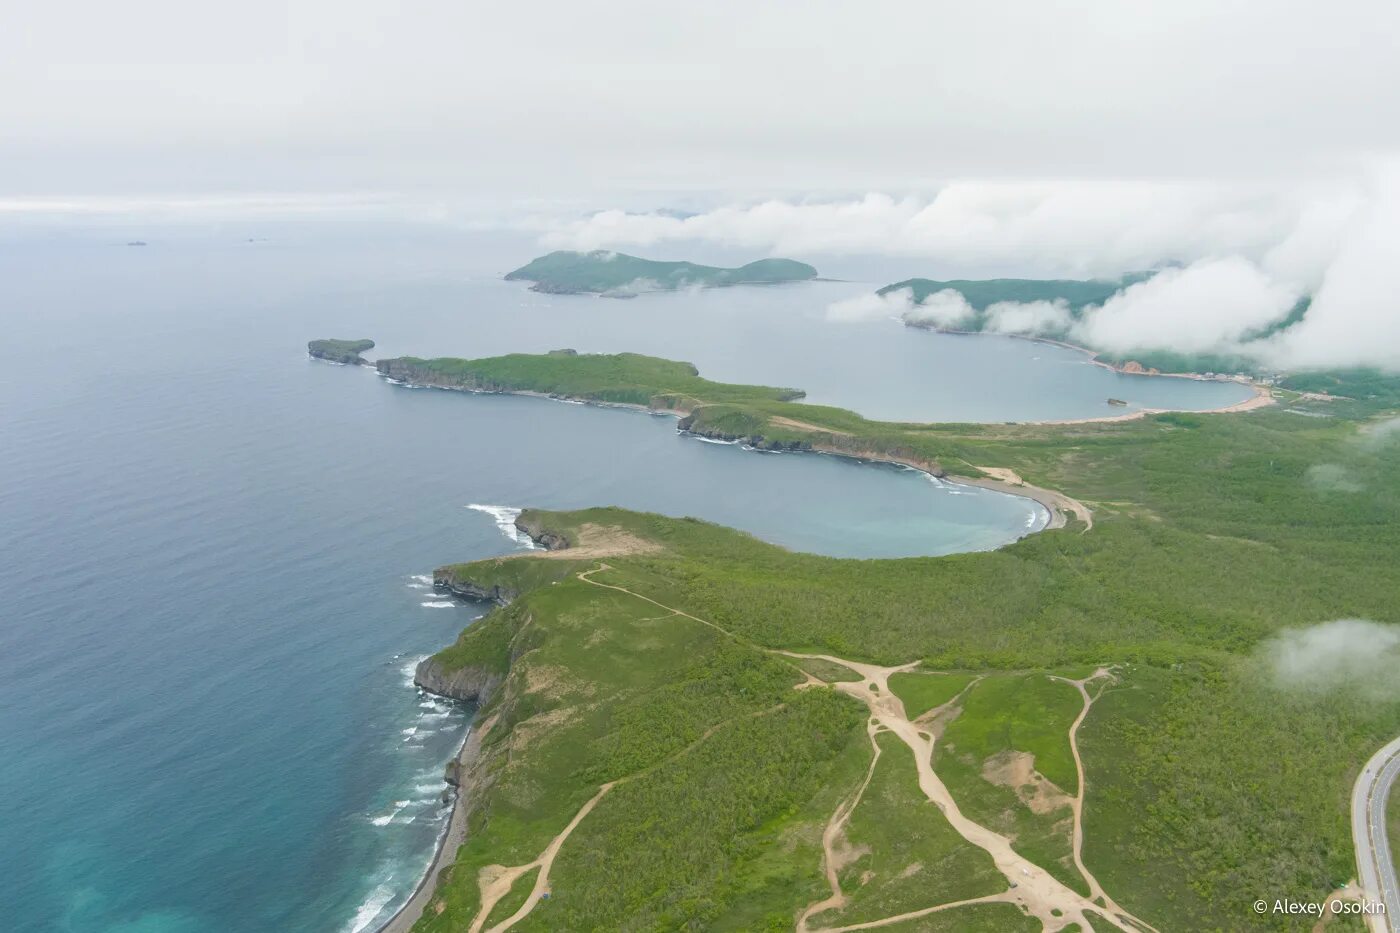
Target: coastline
(1263, 397)
(1057, 504)
(448, 842)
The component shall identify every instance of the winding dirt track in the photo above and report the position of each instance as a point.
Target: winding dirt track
(1034, 890)
(830, 841)
(1030, 887)
(1096, 891)
(496, 880)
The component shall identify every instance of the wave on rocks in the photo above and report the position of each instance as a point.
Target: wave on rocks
(505, 517)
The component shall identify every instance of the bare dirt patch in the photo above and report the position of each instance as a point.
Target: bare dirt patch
(596, 540)
(530, 729)
(1017, 770)
(804, 426)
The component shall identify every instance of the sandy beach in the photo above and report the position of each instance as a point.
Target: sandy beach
(1262, 398)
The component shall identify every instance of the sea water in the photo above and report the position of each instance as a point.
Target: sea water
(214, 569)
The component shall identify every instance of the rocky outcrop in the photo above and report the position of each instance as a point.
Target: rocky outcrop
(693, 424)
(534, 527)
(447, 578)
(469, 684)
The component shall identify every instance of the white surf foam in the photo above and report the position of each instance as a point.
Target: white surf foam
(505, 517)
(714, 440)
(369, 911)
(410, 668)
(437, 604)
(387, 818)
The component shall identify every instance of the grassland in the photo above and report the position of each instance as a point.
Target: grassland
(607, 273)
(1209, 783)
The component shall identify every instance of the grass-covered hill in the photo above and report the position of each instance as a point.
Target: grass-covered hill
(657, 750)
(607, 273)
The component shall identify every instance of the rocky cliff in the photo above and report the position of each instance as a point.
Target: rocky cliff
(534, 527)
(415, 372)
(448, 578)
(470, 684)
(817, 441)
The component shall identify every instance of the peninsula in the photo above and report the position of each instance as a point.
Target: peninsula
(340, 351)
(1080, 706)
(681, 726)
(602, 272)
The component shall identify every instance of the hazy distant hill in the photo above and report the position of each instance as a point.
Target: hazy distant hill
(980, 293)
(607, 273)
(1076, 295)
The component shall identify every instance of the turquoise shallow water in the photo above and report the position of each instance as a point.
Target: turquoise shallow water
(211, 590)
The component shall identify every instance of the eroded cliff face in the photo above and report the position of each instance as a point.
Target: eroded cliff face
(407, 370)
(469, 684)
(539, 534)
(819, 442)
(468, 589)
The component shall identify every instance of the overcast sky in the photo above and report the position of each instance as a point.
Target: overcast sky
(1253, 146)
(571, 99)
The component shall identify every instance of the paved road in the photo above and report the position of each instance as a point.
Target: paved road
(1368, 831)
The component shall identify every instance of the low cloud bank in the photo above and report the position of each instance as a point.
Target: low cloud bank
(872, 307)
(1209, 306)
(1235, 258)
(1345, 655)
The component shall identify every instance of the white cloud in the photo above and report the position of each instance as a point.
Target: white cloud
(1249, 251)
(1083, 228)
(1355, 314)
(1028, 317)
(947, 309)
(871, 306)
(1353, 654)
(1207, 306)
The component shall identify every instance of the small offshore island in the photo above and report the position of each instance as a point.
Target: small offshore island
(617, 275)
(340, 351)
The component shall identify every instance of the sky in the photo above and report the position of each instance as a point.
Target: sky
(1096, 137)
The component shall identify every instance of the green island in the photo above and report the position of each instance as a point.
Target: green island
(340, 351)
(683, 727)
(603, 272)
(1076, 296)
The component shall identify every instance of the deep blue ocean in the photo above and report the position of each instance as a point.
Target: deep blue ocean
(212, 549)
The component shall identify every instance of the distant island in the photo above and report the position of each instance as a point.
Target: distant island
(340, 351)
(617, 275)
